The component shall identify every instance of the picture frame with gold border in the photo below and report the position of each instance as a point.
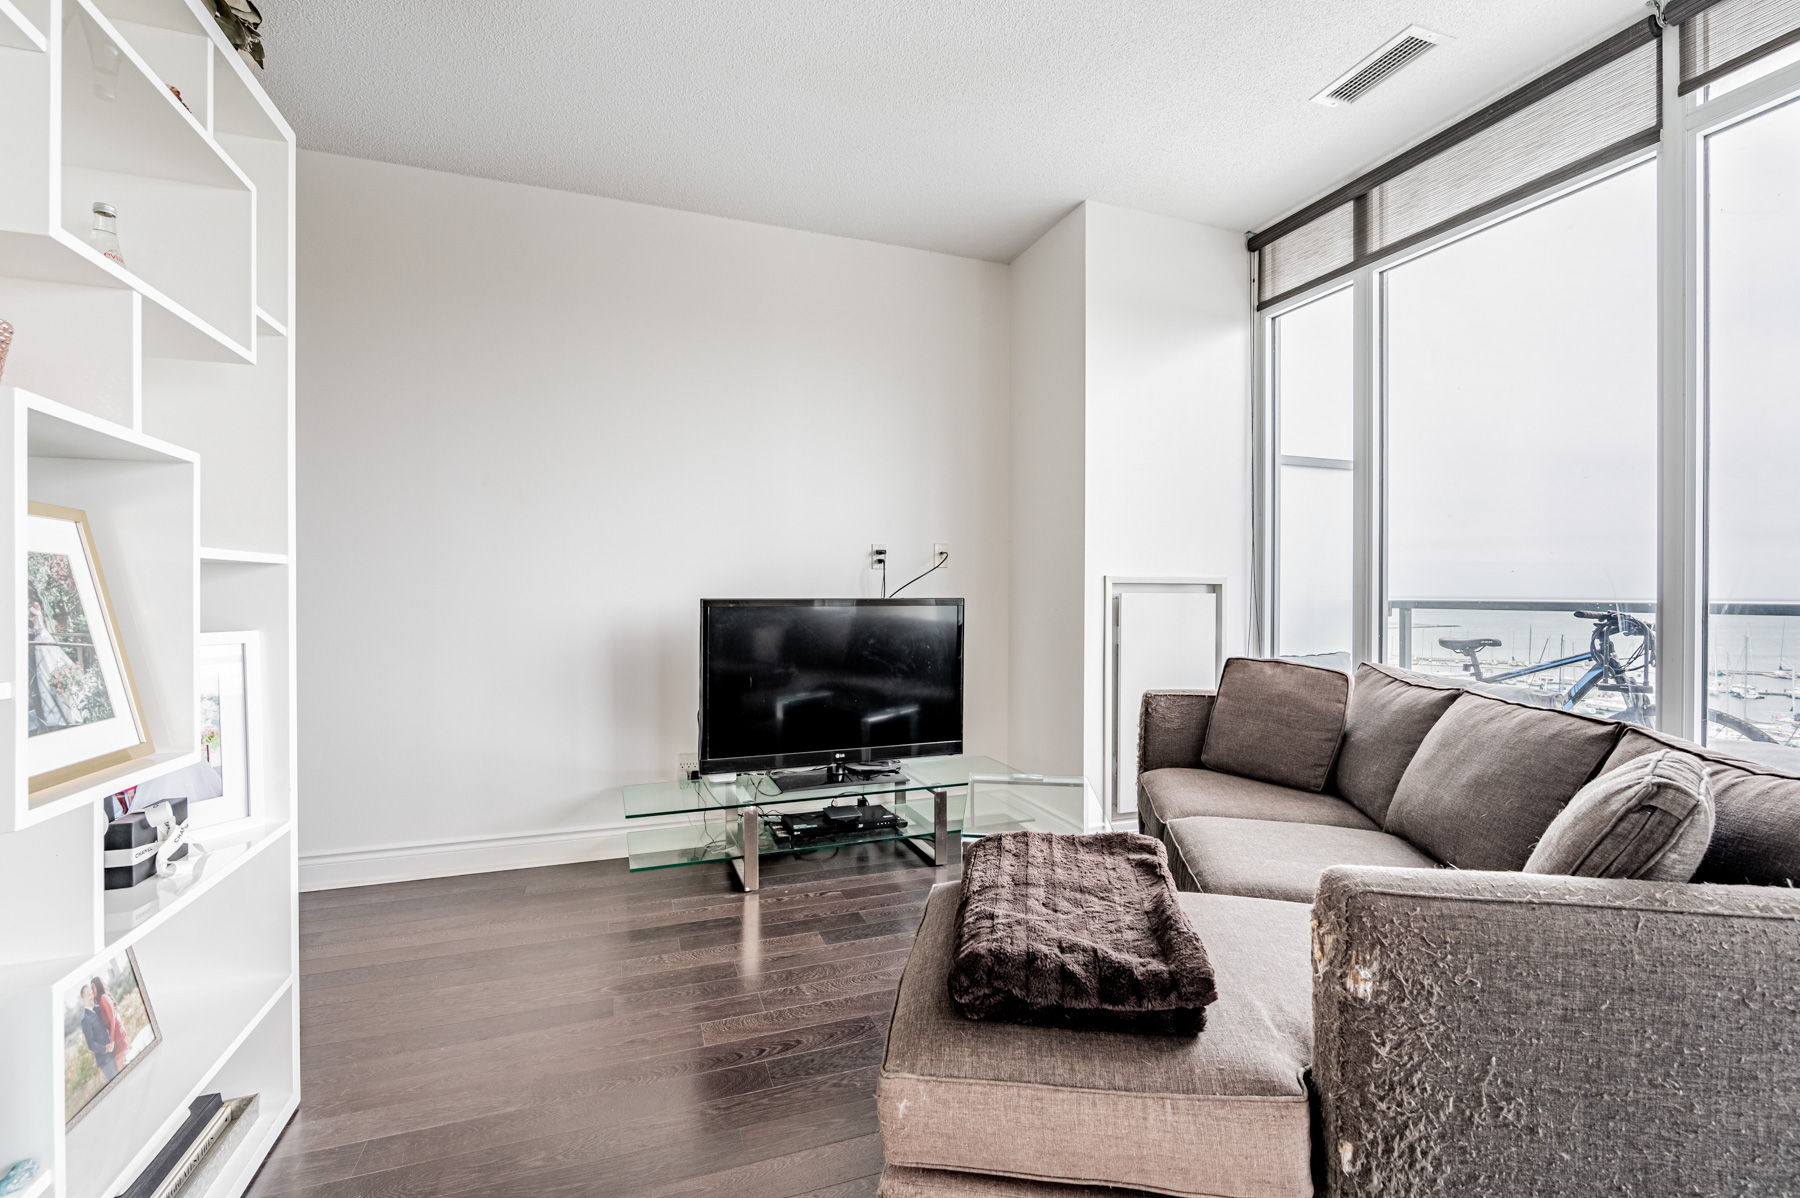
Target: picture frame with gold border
(83, 710)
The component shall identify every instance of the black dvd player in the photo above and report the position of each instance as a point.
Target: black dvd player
(834, 823)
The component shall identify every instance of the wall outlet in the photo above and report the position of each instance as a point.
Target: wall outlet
(939, 552)
(877, 557)
(687, 765)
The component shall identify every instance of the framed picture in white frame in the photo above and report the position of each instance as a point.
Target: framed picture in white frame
(83, 712)
(230, 725)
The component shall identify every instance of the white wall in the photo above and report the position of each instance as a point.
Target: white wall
(535, 428)
(1049, 486)
(1169, 327)
(1131, 453)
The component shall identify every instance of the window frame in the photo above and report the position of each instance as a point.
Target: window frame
(1267, 636)
(1682, 450)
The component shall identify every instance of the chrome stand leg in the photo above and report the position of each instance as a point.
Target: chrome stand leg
(946, 846)
(747, 867)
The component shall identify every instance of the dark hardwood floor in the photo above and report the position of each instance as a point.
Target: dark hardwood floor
(578, 1030)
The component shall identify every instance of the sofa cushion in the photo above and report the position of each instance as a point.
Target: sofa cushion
(1224, 1112)
(1172, 727)
(1756, 813)
(1650, 819)
(1390, 713)
(1490, 776)
(897, 1181)
(1276, 721)
(1166, 795)
(1259, 858)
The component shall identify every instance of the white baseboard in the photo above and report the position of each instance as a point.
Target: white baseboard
(465, 855)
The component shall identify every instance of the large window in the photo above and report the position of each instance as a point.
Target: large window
(1532, 389)
(1314, 386)
(1521, 399)
(1752, 387)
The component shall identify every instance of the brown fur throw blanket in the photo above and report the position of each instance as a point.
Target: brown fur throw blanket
(1077, 931)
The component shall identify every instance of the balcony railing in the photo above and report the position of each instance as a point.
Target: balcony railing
(1752, 683)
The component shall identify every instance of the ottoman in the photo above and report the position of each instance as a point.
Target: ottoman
(1222, 1113)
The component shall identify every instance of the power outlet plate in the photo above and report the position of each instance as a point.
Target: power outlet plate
(877, 556)
(939, 552)
(687, 765)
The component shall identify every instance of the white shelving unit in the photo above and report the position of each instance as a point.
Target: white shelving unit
(157, 396)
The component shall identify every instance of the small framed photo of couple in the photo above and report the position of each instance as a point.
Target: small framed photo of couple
(83, 713)
(108, 1027)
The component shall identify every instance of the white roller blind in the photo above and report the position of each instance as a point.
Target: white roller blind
(1720, 37)
(1601, 105)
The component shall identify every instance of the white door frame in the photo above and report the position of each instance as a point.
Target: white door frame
(1116, 585)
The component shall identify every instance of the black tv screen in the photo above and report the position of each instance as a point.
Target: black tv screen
(803, 682)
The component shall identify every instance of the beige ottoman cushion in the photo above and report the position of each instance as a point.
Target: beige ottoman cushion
(1221, 1113)
(899, 1182)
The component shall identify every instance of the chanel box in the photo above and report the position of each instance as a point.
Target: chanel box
(130, 846)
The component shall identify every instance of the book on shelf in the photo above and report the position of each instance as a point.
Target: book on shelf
(210, 1118)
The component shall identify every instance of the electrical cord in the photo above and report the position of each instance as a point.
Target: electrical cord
(941, 563)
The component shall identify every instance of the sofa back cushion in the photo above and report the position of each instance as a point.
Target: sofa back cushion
(1756, 814)
(1490, 776)
(1390, 713)
(1276, 721)
(1650, 819)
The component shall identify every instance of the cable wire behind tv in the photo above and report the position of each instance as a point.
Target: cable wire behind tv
(941, 562)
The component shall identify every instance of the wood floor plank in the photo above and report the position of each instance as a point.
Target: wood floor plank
(579, 1030)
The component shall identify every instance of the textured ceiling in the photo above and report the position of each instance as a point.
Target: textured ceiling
(963, 127)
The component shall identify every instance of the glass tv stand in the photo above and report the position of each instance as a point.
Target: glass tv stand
(932, 797)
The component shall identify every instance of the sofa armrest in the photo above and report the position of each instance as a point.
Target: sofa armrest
(1172, 727)
(1505, 1034)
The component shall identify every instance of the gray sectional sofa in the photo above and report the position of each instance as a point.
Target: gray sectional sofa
(1401, 1011)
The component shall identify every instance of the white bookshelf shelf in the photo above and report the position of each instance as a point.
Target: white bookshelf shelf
(133, 914)
(241, 557)
(18, 32)
(157, 396)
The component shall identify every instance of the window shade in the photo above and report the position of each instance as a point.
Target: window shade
(1601, 105)
(1720, 36)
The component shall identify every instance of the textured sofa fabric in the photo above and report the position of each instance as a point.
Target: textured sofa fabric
(1224, 1112)
(1276, 721)
(1490, 776)
(1172, 794)
(1172, 728)
(1651, 818)
(1264, 859)
(1390, 713)
(1756, 814)
(1502, 1034)
(900, 1182)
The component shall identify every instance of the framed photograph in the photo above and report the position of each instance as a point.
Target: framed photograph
(83, 712)
(108, 1027)
(230, 736)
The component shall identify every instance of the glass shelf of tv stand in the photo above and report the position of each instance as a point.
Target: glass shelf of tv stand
(755, 790)
(720, 838)
(930, 797)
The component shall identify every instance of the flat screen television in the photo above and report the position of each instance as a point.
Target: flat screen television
(791, 683)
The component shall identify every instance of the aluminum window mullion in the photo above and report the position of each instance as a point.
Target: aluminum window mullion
(1263, 549)
(1680, 599)
(1367, 569)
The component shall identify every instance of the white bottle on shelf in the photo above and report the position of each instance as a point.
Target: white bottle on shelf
(105, 236)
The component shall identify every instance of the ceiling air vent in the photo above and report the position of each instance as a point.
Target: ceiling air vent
(1393, 54)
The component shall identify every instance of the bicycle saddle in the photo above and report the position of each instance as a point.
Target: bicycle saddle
(1470, 646)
